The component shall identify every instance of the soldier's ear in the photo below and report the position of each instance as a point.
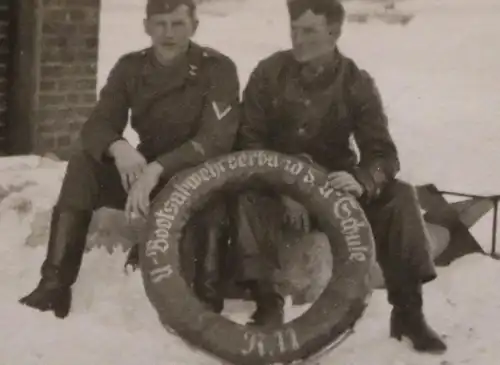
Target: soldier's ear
(145, 24)
(335, 30)
(196, 23)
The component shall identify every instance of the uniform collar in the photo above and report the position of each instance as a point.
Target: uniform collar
(186, 67)
(323, 78)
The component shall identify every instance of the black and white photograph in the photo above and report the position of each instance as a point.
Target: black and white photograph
(249, 182)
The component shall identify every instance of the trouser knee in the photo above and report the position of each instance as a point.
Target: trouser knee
(399, 194)
(78, 183)
(89, 184)
(403, 249)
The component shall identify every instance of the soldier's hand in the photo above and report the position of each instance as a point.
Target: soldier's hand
(129, 162)
(138, 197)
(344, 181)
(296, 214)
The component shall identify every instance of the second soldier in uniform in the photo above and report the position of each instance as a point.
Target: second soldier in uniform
(183, 100)
(309, 101)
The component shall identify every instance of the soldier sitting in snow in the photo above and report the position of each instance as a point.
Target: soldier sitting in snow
(309, 101)
(184, 106)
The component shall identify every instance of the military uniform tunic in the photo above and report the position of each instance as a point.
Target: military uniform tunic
(329, 119)
(184, 114)
(283, 112)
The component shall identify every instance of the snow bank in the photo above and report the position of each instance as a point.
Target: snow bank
(439, 78)
(112, 321)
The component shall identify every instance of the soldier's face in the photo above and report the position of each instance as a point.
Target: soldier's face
(312, 36)
(171, 31)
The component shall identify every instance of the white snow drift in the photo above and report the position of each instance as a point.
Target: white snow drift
(439, 78)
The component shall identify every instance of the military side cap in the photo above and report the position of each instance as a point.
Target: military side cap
(332, 9)
(166, 6)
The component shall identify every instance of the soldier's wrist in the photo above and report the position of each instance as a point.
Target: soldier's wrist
(117, 146)
(156, 168)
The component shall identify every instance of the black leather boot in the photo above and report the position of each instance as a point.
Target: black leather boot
(270, 305)
(408, 320)
(210, 263)
(68, 233)
(132, 258)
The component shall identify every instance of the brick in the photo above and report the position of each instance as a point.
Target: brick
(52, 71)
(65, 85)
(77, 15)
(88, 68)
(55, 41)
(75, 134)
(76, 127)
(46, 141)
(56, 15)
(83, 111)
(77, 123)
(88, 29)
(86, 3)
(73, 98)
(75, 43)
(92, 17)
(68, 70)
(46, 116)
(85, 84)
(55, 55)
(54, 3)
(82, 99)
(59, 28)
(46, 128)
(87, 56)
(51, 99)
(73, 70)
(63, 140)
(48, 86)
(89, 98)
(51, 115)
(91, 42)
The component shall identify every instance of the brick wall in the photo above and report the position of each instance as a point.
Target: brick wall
(4, 58)
(56, 71)
(68, 69)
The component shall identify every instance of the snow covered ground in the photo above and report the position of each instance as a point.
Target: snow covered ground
(439, 78)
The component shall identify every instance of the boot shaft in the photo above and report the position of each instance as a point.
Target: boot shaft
(67, 240)
(406, 296)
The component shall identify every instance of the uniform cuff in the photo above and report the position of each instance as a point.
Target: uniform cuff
(370, 190)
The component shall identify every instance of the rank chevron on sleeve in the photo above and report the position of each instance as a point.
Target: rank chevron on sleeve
(221, 114)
